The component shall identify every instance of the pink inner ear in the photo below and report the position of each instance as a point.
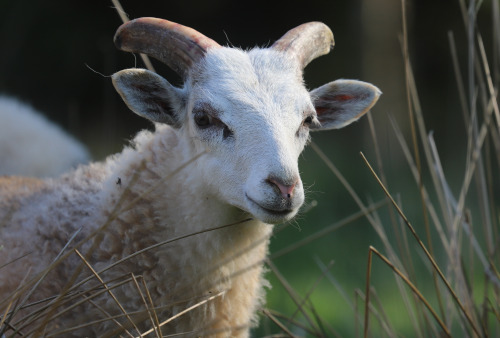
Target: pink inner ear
(343, 97)
(320, 110)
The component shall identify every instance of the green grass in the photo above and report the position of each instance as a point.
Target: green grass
(441, 234)
(444, 213)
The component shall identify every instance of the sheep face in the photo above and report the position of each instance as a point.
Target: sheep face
(251, 113)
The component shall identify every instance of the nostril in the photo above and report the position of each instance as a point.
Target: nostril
(285, 189)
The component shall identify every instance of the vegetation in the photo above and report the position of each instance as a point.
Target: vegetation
(421, 254)
(443, 272)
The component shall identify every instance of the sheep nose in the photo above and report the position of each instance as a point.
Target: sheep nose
(286, 189)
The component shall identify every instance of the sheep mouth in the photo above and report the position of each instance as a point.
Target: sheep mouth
(281, 212)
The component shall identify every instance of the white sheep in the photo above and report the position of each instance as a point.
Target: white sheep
(30, 145)
(225, 148)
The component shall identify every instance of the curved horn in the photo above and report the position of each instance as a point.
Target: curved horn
(306, 42)
(176, 45)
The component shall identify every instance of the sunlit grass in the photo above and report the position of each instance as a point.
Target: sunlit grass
(451, 259)
(447, 279)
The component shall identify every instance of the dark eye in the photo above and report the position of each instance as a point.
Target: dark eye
(308, 121)
(227, 132)
(203, 120)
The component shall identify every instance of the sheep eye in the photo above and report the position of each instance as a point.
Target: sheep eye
(227, 132)
(308, 121)
(203, 120)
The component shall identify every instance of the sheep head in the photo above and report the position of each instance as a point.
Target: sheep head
(249, 109)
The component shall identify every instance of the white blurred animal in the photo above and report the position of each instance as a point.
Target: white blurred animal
(30, 145)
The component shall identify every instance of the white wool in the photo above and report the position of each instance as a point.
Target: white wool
(49, 212)
(31, 145)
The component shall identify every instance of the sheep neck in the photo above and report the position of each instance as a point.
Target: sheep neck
(159, 206)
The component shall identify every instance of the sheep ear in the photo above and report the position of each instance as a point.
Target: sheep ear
(149, 95)
(342, 102)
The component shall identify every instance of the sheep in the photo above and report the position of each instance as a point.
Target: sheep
(188, 208)
(30, 145)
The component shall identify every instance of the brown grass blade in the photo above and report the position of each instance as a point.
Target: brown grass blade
(277, 322)
(293, 294)
(124, 17)
(426, 252)
(156, 320)
(323, 232)
(183, 312)
(96, 275)
(371, 251)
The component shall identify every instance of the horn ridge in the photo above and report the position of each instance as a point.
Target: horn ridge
(306, 42)
(176, 45)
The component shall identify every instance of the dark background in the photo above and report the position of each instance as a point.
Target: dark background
(52, 55)
(48, 48)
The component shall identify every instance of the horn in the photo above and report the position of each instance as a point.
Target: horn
(306, 42)
(176, 45)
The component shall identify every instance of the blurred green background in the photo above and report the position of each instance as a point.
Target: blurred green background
(48, 48)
